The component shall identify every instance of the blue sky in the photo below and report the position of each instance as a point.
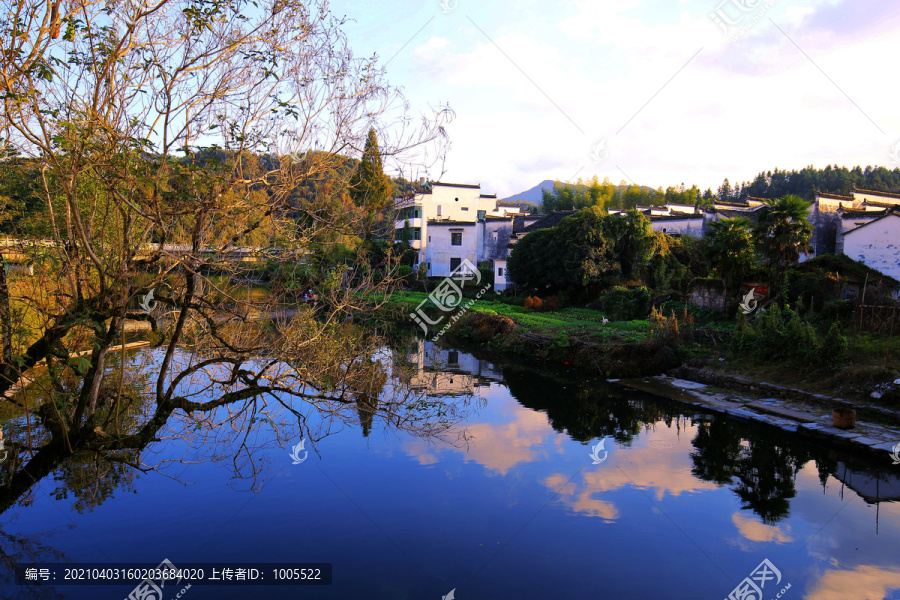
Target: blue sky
(655, 92)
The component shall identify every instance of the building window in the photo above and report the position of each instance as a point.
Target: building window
(454, 263)
(417, 233)
(499, 271)
(481, 215)
(439, 210)
(429, 238)
(464, 208)
(453, 358)
(456, 238)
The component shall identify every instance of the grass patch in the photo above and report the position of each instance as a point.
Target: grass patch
(577, 322)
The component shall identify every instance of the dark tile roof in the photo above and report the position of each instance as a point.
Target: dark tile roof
(519, 222)
(881, 204)
(434, 222)
(488, 196)
(735, 204)
(551, 220)
(679, 217)
(859, 214)
(475, 186)
(874, 193)
(834, 197)
(885, 214)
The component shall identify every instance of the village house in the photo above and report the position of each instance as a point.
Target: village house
(875, 242)
(453, 222)
(840, 224)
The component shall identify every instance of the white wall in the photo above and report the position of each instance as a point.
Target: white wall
(862, 196)
(877, 245)
(439, 250)
(693, 226)
(500, 281)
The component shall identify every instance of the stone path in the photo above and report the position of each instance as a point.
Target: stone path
(813, 421)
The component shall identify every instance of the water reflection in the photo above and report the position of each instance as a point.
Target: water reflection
(516, 452)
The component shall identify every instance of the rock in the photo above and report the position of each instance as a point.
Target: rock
(876, 395)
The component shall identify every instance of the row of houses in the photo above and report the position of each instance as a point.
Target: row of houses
(454, 222)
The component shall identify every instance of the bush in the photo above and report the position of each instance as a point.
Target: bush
(834, 347)
(781, 335)
(621, 304)
(405, 274)
(837, 311)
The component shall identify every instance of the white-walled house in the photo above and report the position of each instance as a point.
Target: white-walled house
(875, 242)
(678, 224)
(453, 222)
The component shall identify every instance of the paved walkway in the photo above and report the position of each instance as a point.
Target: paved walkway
(791, 416)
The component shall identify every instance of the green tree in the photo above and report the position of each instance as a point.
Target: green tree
(630, 236)
(534, 263)
(370, 188)
(729, 246)
(782, 233)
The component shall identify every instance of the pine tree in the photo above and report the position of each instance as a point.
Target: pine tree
(369, 186)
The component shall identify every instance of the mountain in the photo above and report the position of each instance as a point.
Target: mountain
(534, 195)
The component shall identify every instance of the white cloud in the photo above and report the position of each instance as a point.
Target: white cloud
(738, 108)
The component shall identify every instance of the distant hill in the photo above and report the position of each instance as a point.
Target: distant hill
(534, 195)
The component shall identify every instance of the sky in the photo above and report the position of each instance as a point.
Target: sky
(656, 92)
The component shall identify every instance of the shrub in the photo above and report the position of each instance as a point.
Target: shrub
(551, 304)
(834, 347)
(536, 303)
(405, 273)
(781, 335)
(529, 303)
(622, 304)
(838, 311)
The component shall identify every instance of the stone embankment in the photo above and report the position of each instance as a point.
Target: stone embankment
(877, 429)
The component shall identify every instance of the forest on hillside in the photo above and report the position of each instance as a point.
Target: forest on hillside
(769, 184)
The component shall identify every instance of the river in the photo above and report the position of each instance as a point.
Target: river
(519, 499)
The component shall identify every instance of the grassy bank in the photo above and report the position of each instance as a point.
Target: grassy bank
(578, 337)
(574, 336)
(566, 322)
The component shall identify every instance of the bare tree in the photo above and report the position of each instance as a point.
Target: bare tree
(176, 139)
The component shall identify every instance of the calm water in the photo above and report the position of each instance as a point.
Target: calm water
(508, 505)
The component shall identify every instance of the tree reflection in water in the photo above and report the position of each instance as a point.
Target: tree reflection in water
(210, 419)
(758, 463)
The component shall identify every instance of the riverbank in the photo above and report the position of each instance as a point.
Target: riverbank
(647, 356)
(878, 434)
(578, 337)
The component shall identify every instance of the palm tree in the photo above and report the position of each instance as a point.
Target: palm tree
(783, 232)
(729, 246)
